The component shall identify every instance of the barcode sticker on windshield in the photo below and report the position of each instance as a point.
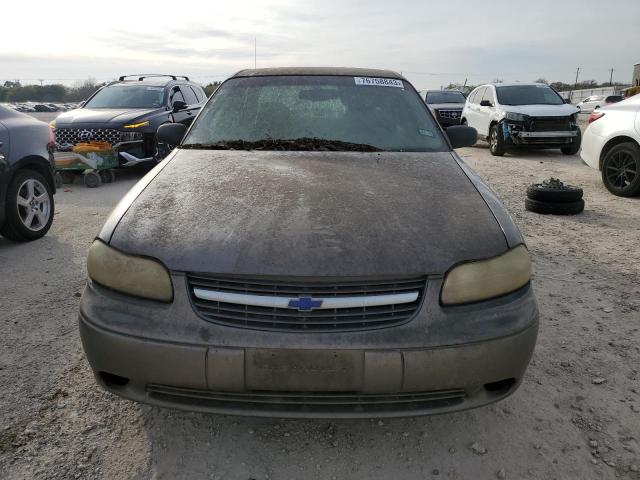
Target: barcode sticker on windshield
(379, 82)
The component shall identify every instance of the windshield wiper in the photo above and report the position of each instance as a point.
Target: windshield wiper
(296, 144)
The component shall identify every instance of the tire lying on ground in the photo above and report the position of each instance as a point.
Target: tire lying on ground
(554, 197)
(552, 191)
(554, 208)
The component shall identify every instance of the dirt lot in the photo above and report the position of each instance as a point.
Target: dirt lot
(577, 415)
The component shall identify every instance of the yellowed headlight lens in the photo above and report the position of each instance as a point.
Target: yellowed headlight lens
(136, 125)
(484, 279)
(138, 276)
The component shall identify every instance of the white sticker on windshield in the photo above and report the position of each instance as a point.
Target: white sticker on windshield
(379, 82)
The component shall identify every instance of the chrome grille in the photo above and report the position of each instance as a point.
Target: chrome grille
(453, 114)
(73, 136)
(289, 319)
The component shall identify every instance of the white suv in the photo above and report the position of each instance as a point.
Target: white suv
(522, 114)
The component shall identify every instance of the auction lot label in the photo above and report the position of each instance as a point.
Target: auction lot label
(379, 82)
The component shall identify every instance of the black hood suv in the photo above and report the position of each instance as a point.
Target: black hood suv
(127, 113)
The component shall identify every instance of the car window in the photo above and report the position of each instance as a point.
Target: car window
(488, 95)
(177, 96)
(199, 93)
(479, 95)
(386, 114)
(444, 97)
(188, 94)
(528, 95)
(127, 96)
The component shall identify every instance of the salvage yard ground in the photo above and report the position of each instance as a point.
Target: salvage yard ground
(577, 415)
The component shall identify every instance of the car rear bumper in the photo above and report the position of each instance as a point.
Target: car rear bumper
(295, 382)
(591, 148)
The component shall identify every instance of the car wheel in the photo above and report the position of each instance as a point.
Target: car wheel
(68, 177)
(574, 147)
(621, 170)
(554, 208)
(92, 179)
(554, 191)
(107, 176)
(30, 207)
(496, 141)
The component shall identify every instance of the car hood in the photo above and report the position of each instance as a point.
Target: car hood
(563, 110)
(445, 106)
(310, 214)
(113, 116)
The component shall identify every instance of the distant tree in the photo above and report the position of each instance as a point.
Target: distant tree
(10, 84)
(542, 80)
(211, 87)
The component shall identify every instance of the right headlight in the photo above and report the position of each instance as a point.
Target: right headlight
(130, 274)
(485, 279)
(516, 117)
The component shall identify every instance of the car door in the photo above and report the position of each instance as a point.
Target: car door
(474, 106)
(179, 116)
(193, 105)
(485, 113)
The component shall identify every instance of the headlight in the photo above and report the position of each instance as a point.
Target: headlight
(516, 117)
(484, 279)
(136, 125)
(138, 276)
(52, 124)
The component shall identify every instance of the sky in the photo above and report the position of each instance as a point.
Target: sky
(432, 43)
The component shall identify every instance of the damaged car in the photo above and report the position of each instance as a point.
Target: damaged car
(511, 115)
(126, 114)
(313, 247)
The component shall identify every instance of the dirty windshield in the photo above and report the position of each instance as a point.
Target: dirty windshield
(316, 113)
(138, 96)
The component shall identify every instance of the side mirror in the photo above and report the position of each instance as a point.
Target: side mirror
(178, 105)
(171, 133)
(486, 103)
(567, 100)
(461, 136)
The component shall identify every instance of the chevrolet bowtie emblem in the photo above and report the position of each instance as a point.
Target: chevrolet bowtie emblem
(305, 304)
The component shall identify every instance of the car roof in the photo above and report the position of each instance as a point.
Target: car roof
(514, 84)
(320, 71)
(440, 91)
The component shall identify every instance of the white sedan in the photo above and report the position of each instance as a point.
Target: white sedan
(611, 144)
(594, 102)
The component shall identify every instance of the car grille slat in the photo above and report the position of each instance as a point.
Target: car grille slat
(453, 114)
(290, 319)
(301, 399)
(550, 124)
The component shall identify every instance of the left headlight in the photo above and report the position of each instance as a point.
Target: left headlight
(130, 274)
(516, 117)
(485, 279)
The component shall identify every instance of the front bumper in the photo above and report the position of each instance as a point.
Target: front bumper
(180, 360)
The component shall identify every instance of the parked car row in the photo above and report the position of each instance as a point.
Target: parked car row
(30, 107)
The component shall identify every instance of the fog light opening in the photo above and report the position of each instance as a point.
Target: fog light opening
(501, 386)
(113, 381)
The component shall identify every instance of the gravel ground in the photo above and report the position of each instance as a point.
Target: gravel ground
(577, 415)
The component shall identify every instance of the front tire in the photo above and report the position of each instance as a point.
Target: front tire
(30, 207)
(621, 170)
(574, 147)
(496, 141)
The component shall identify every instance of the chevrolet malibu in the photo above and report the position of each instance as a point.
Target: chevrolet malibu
(313, 247)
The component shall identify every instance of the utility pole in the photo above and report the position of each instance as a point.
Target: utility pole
(41, 80)
(611, 70)
(255, 52)
(577, 72)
